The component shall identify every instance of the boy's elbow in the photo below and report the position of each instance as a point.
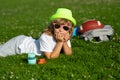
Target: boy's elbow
(70, 53)
(52, 57)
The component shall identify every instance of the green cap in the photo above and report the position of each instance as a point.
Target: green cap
(63, 13)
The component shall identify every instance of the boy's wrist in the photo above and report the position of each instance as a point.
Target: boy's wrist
(60, 42)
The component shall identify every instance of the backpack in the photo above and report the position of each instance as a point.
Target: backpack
(98, 35)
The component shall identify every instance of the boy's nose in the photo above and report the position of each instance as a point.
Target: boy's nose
(61, 29)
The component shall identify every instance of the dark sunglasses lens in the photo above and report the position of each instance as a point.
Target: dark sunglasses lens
(66, 28)
(57, 26)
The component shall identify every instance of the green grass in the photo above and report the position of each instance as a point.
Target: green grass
(89, 61)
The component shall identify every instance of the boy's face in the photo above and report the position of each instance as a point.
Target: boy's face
(61, 32)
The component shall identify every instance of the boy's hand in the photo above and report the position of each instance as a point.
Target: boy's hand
(59, 37)
(66, 37)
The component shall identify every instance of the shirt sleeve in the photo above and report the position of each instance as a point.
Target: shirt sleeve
(69, 43)
(45, 45)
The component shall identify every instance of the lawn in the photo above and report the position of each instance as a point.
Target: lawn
(89, 61)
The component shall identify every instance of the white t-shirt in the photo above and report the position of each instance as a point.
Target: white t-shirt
(47, 43)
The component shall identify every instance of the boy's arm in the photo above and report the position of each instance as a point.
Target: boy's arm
(59, 44)
(56, 51)
(67, 50)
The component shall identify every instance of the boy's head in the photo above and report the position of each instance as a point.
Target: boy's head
(63, 13)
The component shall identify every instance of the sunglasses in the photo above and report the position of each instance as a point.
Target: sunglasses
(57, 26)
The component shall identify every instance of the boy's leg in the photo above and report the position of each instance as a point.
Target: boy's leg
(11, 46)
